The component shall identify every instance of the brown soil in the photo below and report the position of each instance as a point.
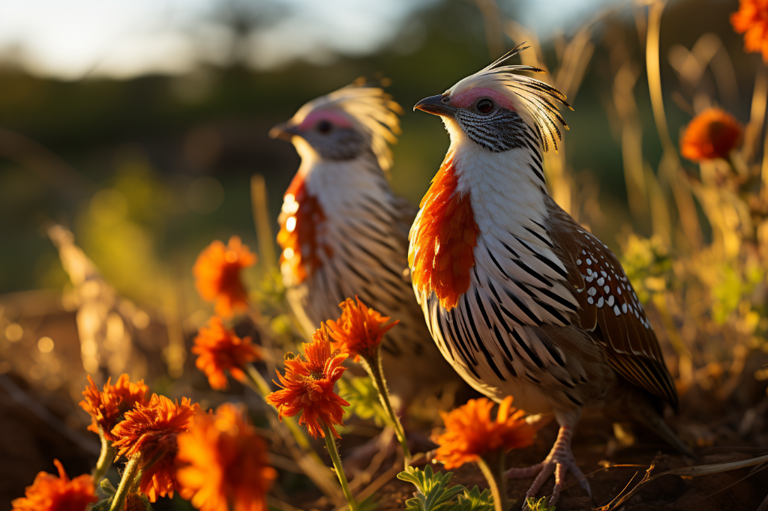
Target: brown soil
(724, 491)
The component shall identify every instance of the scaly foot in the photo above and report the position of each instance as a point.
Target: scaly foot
(559, 461)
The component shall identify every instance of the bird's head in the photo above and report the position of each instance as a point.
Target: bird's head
(355, 120)
(493, 107)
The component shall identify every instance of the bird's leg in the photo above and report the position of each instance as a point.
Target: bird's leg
(559, 461)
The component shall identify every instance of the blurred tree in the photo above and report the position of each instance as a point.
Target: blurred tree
(242, 18)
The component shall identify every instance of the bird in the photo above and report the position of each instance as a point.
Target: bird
(520, 298)
(344, 232)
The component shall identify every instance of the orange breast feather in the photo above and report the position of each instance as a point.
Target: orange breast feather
(442, 252)
(300, 222)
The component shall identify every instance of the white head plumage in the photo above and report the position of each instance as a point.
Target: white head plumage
(534, 100)
(371, 109)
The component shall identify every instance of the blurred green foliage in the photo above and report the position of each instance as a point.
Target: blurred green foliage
(363, 399)
(648, 265)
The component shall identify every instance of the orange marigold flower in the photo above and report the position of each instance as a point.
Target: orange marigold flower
(470, 433)
(149, 432)
(219, 350)
(752, 20)
(217, 275)
(108, 406)
(224, 463)
(307, 386)
(360, 330)
(714, 133)
(51, 493)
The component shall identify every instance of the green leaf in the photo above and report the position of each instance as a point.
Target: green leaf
(541, 504)
(363, 399)
(433, 492)
(106, 487)
(475, 500)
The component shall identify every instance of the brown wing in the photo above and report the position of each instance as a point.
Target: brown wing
(609, 307)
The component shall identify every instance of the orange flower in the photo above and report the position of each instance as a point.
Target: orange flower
(470, 433)
(752, 18)
(217, 275)
(307, 386)
(108, 406)
(224, 463)
(149, 432)
(712, 134)
(360, 330)
(220, 350)
(51, 493)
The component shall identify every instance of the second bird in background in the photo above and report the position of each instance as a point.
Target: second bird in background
(343, 232)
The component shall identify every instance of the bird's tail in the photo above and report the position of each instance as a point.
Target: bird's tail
(643, 411)
(645, 408)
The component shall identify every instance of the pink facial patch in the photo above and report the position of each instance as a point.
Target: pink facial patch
(336, 118)
(467, 98)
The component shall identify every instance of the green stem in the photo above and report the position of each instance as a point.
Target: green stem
(136, 483)
(261, 387)
(373, 366)
(131, 470)
(256, 381)
(330, 442)
(106, 456)
(496, 479)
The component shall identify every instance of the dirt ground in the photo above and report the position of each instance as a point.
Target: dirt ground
(725, 491)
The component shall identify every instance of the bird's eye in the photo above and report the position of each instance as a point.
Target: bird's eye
(324, 127)
(485, 106)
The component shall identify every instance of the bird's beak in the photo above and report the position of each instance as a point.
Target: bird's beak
(435, 105)
(284, 131)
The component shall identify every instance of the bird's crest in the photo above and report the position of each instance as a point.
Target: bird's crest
(537, 99)
(370, 108)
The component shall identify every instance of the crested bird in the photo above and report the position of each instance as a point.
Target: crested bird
(344, 232)
(520, 299)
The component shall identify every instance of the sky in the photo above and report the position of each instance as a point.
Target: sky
(74, 39)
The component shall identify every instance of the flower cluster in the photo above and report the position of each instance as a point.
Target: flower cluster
(219, 349)
(149, 433)
(308, 386)
(470, 433)
(51, 493)
(224, 463)
(217, 275)
(215, 460)
(360, 330)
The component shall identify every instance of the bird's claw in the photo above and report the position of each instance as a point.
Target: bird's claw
(544, 470)
(559, 461)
